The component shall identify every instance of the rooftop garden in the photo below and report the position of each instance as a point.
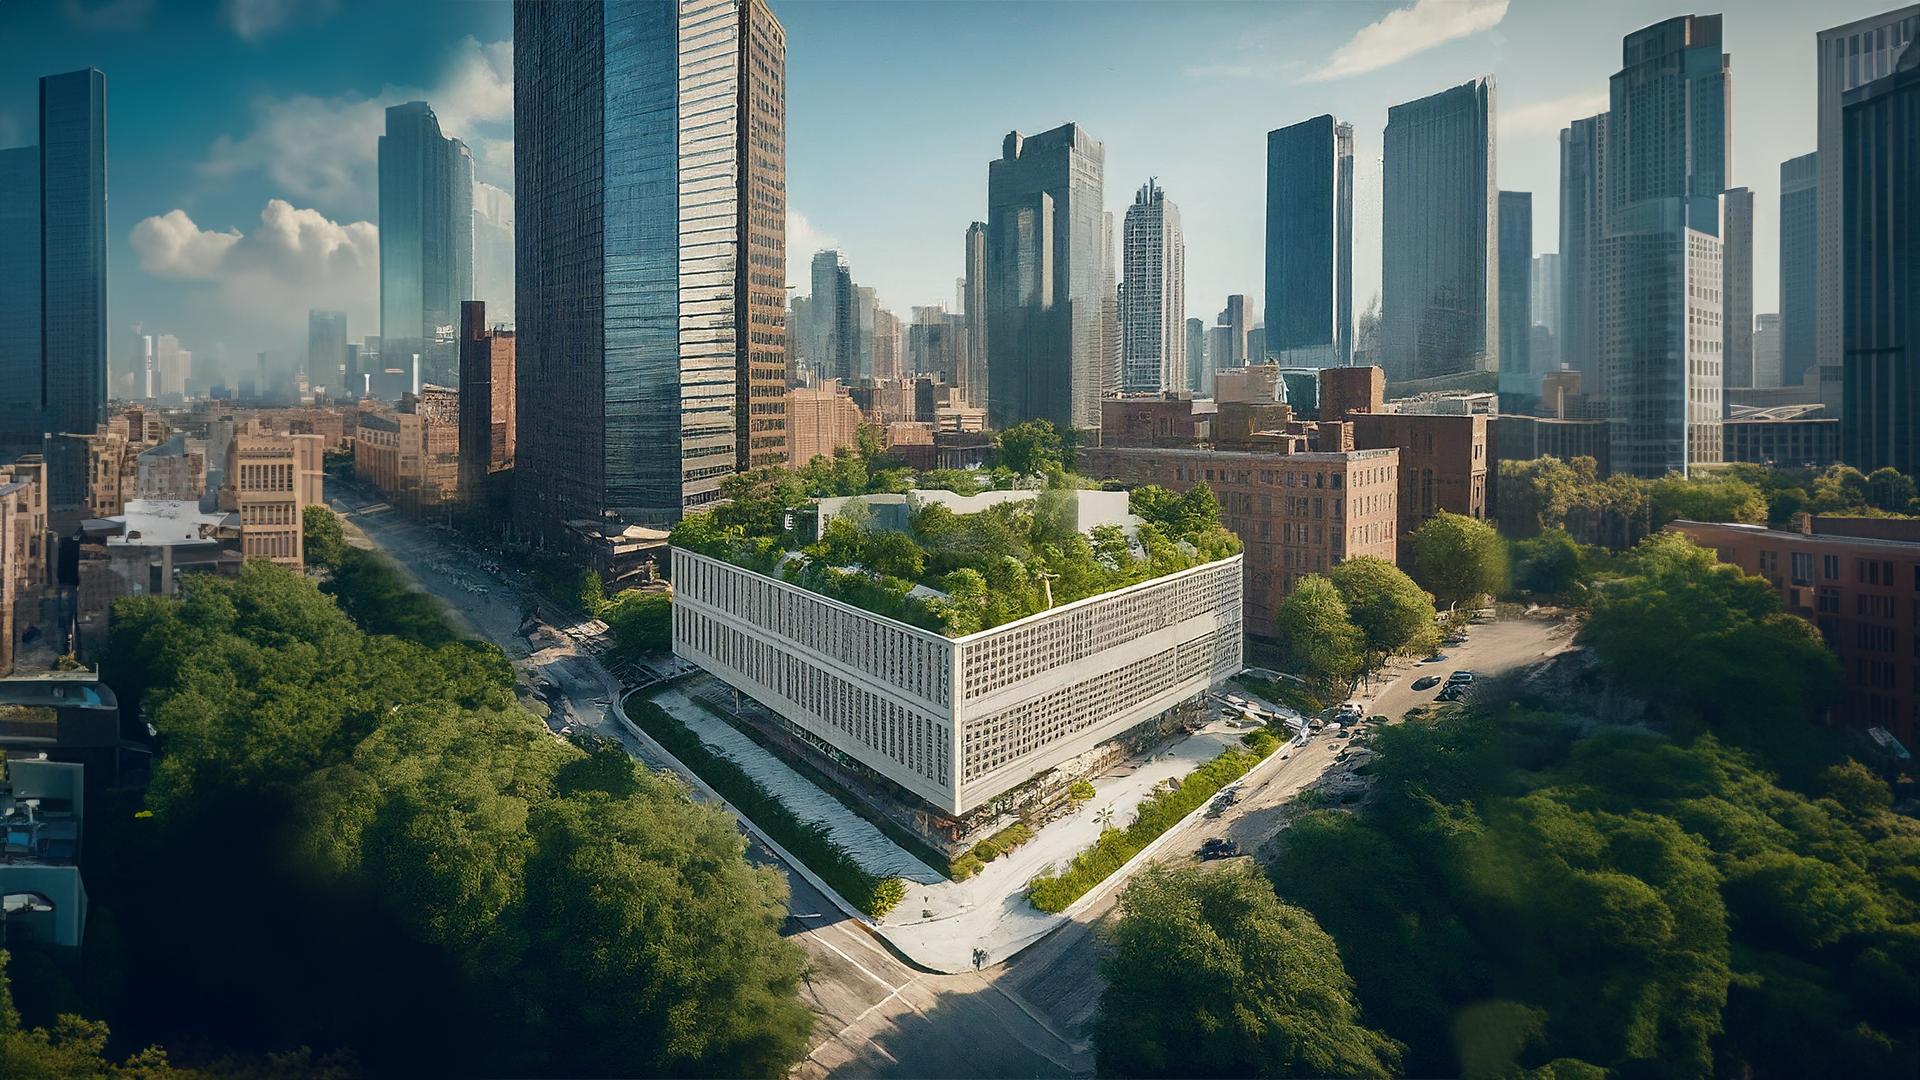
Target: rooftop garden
(952, 573)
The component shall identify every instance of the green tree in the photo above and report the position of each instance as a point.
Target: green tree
(1321, 642)
(641, 622)
(1891, 491)
(1032, 448)
(1458, 558)
(73, 1049)
(1706, 498)
(1551, 564)
(324, 537)
(1391, 612)
(1212, 975)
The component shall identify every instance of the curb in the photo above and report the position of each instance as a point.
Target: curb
(1120, 875)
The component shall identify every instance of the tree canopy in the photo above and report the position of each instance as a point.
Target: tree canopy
(1458, 558)
(375, 812)
(1392, 613)
(1322, 644)
(1211, 975)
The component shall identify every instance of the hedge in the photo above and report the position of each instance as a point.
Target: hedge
(807, 841)
(1158, 813)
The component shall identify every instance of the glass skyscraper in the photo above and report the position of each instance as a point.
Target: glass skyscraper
(1046, 343)
(20, 402)
(327, 348)
(1880, 184)
(73, 271)
(1153, 300)
(1309, 312)
(1799, 265)
(426, 243)
(1583, 230)
(1661, 310)
(1439, 289)
(1736, 291)
(650, 266)
(1517, 372)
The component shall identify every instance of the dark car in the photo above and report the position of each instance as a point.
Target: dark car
(1460, 677)
(1426, 682)
(1453, 692)
(1218, 848)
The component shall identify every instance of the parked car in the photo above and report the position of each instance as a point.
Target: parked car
(1460, 677)
(1350, 712)
(1426, 682)
(1219, 848)
(1453, 692)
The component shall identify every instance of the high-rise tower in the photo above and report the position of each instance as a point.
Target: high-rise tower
(1153, 305)
(1583, 230)
(1661, 318)
(1439, 290)
(1044, 271)
(1309, 304)
(21, 406)
(73, 271)
(1518, 373)
(650, 188)
(327, 348)
(1799, 266)
(1736, 289)
(426, 243)
(973, 306)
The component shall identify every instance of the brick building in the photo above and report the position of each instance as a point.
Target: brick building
(1858, 581)
(270, 480)
(820, 420)
(23, 549)
(1444, 462)
(1298, 511)
(486, 399)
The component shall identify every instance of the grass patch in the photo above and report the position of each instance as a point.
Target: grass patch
(1158, 812)
(808, 841)
(1282, 692)
(1002, 842)
(1081, 791)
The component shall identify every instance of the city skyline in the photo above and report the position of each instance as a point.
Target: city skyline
(278, 121)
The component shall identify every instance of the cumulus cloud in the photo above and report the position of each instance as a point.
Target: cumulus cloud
(255, 19)
(802, 241)
(261, 283)
(1547, 117)
(110, 15)
(325, 150)
(1408, 31)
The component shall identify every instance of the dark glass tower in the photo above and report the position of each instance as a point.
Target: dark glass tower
(1309, 319)
(426, 244)
(1439, 293)
(1880, 184)
(1046, 220)
(20, 402)
(1517, 375)
(73, 270)
(327, 349)
(1799, 266)
(1583, 226)
(650, 254)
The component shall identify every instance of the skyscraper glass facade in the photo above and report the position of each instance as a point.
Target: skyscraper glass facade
(1799, 265)
(1517, 372)
(1661, 306)
(426, 242)
(1439, 291)
(1583, 228)
(1309, 256)
(650, 312)
(73, 270)
(326, 348)
(1736, 292)
(1154, 301)
(20, 402)
(1045, 274)
(1880, 365)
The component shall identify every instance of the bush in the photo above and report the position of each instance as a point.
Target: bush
(808, 841)
(1081, 791)
(1053, 893)
(1002, 842)
(964, 866)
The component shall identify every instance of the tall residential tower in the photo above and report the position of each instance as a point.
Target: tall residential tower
(1153, 301)
(426, 243)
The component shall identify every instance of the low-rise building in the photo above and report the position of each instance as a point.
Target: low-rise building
(1296, 510)
(175, 469)
(957, 722)
(1444, 464)
(1858, 581)
(44, 805)
(1524, 438)
(1787, 435)
(270, 481)
(24, 544)
(820, 420)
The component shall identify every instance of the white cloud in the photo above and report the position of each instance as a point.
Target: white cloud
(255, 19)
(325, 150)
(263, 282)
(1408, 31)
(1548, 117)
(802, 241)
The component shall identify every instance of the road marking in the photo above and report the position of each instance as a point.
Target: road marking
(820, 936)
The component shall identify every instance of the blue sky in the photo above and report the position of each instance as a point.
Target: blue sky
(241, 132)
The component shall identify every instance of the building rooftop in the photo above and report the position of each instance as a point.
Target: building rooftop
(156, 522)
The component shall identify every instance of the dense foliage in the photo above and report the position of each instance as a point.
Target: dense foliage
(1156, 814)
(974, 570)
(359, 840)
(1211, 975)
(1733, 899)
(805, 840)
(641, 622)
(1457, 558)
(1619, 511)
(1318, 638)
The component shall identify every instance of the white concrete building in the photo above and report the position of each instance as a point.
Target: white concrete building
(959, 721)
